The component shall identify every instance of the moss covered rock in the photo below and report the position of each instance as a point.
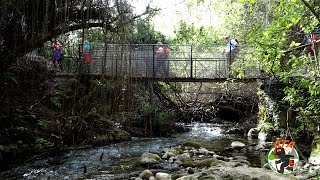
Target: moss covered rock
(190, 144)
(315, 151)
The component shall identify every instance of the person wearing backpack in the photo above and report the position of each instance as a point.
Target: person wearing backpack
(231, 50)
(87, 58)
(57, 52)
(161, 57)
(311, 39)
(306, 40)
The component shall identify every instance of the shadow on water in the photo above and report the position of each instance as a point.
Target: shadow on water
(121, 159)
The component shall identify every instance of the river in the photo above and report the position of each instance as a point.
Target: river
(116, 161)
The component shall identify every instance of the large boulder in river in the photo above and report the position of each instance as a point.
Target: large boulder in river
(149, 158)
(146, 174)
(237, 145)
(183, 157)
(163, 176)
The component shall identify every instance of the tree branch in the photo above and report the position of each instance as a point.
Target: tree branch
(313, 11)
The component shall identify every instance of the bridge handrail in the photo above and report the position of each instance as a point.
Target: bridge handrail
(188, 61)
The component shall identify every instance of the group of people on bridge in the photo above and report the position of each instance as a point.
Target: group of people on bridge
(160, 62)
(311, 42)
(58, 54)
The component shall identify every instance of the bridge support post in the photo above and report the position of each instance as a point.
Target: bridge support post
(152, 95)
(229, 62)
(153, 61)
(80, 60)
(191, 65)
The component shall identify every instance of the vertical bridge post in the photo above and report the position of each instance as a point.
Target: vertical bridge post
(153, 61)
(191, 65)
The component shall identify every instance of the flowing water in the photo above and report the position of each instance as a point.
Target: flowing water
(117, 161)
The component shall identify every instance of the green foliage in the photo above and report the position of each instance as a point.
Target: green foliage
(274, 27)
(190, 34)
(30, 117)
(144, 33)
(41, 140)
(304, 96)
(162, 118)
(57, 99)
(146, 109)
(43, 123)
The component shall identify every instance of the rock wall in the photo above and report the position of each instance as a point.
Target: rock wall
(270, 118)
(315, 151)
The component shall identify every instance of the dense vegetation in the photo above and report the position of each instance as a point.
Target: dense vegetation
(37, 110)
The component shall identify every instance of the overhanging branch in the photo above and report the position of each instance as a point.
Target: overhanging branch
(313, 11)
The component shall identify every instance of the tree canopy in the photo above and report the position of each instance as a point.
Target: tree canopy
(26, 25)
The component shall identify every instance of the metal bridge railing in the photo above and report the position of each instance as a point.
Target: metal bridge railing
(184, 61)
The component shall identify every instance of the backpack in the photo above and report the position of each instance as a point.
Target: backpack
(237, 47)
(312, 38)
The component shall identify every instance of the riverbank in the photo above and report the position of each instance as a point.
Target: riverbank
(204, 151)
(190, 161)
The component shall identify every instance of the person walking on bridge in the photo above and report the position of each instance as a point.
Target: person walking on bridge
(231, 51)
(57, 52)
(161, 58)
(86, 56)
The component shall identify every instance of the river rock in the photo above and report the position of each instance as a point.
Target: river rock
(146, 174)
(204, 151)
(237, 145)
(253, 133)
(240, 158)
(183, 157)
(149, 158)
(20, 130)
(314, 169)
(163, 176)
(235, 131)
(315, 151)
(238, 172)
(167, 155)
(221, 157)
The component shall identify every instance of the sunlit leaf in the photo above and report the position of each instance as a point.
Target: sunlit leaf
(252, 1)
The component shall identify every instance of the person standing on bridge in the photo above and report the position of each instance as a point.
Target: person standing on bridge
(161, 57)
(87, 58)
(231, 50)
(57, 52)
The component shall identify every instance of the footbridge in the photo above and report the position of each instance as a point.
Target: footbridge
(184, 63)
